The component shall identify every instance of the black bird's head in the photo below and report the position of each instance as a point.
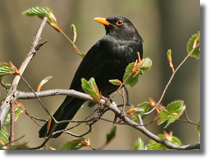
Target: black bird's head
(119, 27)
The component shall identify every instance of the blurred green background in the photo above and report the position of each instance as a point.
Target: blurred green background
(163, 24)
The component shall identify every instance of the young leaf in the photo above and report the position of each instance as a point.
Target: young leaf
(132, 72)
(169, 55)
(4, 135)
(147, 64)
(86, 142)
(168, 136)
(193, 41)
(111, 134)
(74, 31)
(73, 145)
(7, 85)
(140, 109)
(93, 84)
(18, 110)
(36, 11)
(172, 112)
(91, 88)
(83, 55)
(153, 145)
(5, 69)
(139, 145)
(132, 81)
(115, 82)
(42, 12)
(45, 80)
(143, 108)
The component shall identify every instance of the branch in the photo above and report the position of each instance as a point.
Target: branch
(12, 126)
(149, 134)
(174, 72)
(113, 107)
(53, 92)
(6, 104)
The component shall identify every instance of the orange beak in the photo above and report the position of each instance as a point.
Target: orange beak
(102, 20)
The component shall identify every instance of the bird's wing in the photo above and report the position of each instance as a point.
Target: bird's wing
(101, 59)
(89, 66)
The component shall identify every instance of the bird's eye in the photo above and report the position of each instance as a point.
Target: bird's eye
(119, 22)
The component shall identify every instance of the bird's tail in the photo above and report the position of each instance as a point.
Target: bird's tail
(66, 111)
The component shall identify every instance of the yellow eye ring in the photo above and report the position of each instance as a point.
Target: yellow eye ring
(119, 22)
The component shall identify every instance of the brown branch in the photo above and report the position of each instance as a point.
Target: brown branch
(188, 120)
(174, 72)
(13, 94)
(112, 106)
(12, 126)
(4, 109)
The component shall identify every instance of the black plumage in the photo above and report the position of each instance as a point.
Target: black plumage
(106, 60)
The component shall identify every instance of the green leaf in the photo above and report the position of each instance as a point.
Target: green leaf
(193, 41)
(169, 54)
(140, 109)
(4, 135)
(74, 31)
(73, 27)
(147, 64)
(7, 85)
(45, 80)
(153, 145)
(132, 81)
(91, 88)
(1, 146)
(198, 127)
(73, 145)
(171, 112)
(83, 55)
(18, 110)
(115, 82)
(111, 134)
(139, 145)
(93, 83)
(5, 69)
(133, 77)
(143, 108)
(42, 12)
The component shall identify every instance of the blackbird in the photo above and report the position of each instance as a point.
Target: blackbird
(106, 60)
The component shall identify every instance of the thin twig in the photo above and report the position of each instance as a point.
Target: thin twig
(123, 117)
(188, 120)
(112, 106)
(37, 97)
(172, 76)
(2, 84)
(74, 46)
(12, 126)
(14, 140)
(4, 109)
(34, 119)
(147, 113)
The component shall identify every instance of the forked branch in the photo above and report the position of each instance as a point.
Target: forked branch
(4, 109)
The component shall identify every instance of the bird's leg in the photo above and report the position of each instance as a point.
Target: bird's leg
(127, 97)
